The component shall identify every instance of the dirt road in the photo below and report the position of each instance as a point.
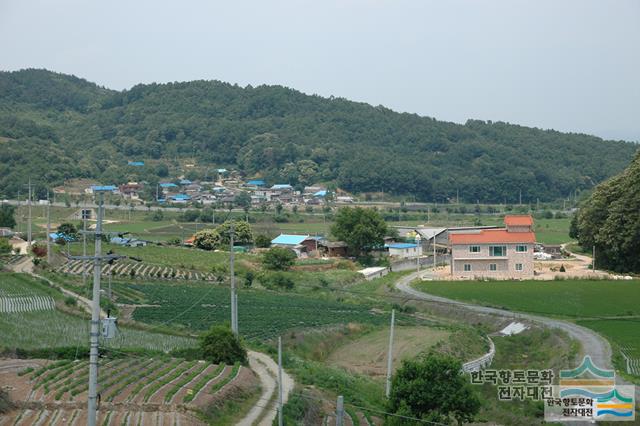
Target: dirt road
(592, 343)
(267, 371)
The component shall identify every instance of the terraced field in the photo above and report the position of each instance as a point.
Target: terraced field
(133, 390)
(139, 269)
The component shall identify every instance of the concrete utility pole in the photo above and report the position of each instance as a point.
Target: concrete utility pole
(340, 411)
(95, 320)
(48, 230)
(387, 391)
(593, 259)
(29, 220)
(234, 317)
(280, 421)
(521, 197)
(84, 247)
(419, 250)
(435, 263)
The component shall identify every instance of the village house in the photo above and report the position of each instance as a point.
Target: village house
(130, 190)
(404, 250)
(504, 253)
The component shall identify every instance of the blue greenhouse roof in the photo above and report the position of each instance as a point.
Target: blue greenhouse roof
(401, 245)
(290, 240)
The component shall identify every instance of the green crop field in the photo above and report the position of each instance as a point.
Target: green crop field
(552, 231)
(624, 333)
(261, 314)
(570, 298)
(53, 328)
(177, 257)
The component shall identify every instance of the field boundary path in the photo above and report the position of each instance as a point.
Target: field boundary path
(592, 343)
(267, 371)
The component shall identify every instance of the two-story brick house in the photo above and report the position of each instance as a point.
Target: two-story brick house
(495, 253)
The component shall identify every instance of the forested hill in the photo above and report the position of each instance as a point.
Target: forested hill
(54, 127)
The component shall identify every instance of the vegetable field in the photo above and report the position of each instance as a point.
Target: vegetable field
(133, 390)
(261, 314)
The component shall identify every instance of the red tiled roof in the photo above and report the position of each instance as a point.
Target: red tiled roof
(487, 236)
(518, 220)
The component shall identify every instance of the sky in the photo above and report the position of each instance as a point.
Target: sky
(570, 65)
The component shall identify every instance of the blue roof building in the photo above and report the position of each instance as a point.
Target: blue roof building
(320, 194)
(168, 185)
(185, 182)
(401, 246)
(180, 197)
(222, 170)
(256, 182)
(136, 163)
(55, 236)
(103, 188)
(282, 186)
(289, 240)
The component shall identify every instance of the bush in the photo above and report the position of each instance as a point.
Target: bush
(70, 301)
(5, 247)
(219, 345)
(5, 402)
(262, 241)
(208, 239)
(562, 268)
(39, 250)
(278, 259)
(276, 280)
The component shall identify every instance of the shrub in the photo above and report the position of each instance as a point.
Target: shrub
(278, 259)
(208, 239)
(39, 250)
(5, 247)
(276, 280)
(219, 345)
(70, 301)
(562, 268)
(262, 241)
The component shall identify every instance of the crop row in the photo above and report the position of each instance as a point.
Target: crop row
(138, 269)
(10, 304)
(202, 383)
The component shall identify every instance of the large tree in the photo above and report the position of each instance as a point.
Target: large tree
(242, 232)
(363, 229)
(7, 218)
(219, 345)
(609, 220)
(432, 388)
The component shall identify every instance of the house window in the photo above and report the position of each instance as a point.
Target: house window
(493, 267)
(518, 266)
(467, 267)
(497, 250)
(521, 248)
(474, 249)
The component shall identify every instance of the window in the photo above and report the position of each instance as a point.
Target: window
(521, 248)
(518, 266)
(474, 249)
(493, 267)
(467, 267)
(497, 250)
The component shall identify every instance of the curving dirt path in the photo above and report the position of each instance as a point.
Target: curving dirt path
(592, 343)
(267, 371)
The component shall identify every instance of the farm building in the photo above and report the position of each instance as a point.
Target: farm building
(6, 232)
(404, 250)
(128, 242)
(298, 243)
(496, 253)
(332, 248)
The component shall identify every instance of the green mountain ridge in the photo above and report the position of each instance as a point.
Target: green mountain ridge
(56, 126)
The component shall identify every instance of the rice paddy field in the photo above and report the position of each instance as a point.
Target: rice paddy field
(563, 298)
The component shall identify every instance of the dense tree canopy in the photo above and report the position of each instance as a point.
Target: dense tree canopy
(434, 389)
(58, 126)
(363, 229)
(7, 216)
(220, 346)
(610, 221)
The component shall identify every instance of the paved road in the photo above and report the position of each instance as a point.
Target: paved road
(592, 343)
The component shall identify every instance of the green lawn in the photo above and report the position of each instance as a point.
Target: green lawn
(570, 298)
(552, 231)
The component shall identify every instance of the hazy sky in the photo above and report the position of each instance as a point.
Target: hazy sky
(568, 65)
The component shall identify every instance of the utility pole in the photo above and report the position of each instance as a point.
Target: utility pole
(593, 259)
(213, 216)
(84, 247)
(390, 355)
(48, 230)
(95, 320)
(457, 196)
(234, 317)
(29, 220)
(280, 381)
(340, 411)
(520, 197)
(435, 263)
